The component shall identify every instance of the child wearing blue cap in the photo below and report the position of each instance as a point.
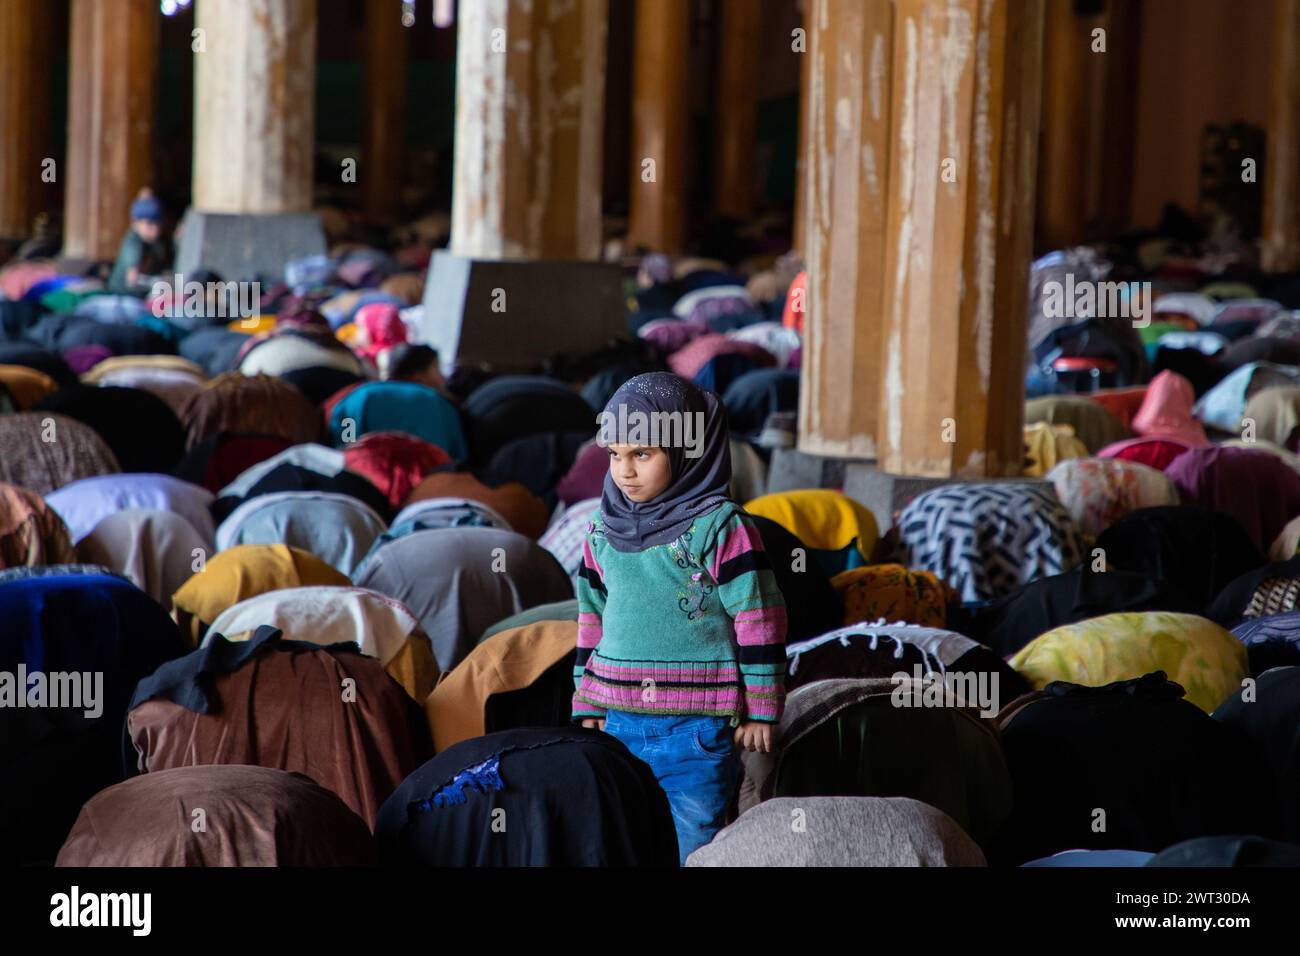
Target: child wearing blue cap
(141, 252)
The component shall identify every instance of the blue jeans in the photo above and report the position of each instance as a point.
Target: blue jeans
(695, 761)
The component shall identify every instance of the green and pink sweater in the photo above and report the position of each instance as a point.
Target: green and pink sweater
(695, 626)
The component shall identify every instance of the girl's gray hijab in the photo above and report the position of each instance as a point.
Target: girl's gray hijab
(699, 484)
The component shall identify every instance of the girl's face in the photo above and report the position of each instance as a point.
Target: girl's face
(642, 472)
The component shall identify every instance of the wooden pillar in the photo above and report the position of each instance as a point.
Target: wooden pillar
(383, 118)
(1085, 169)
(1281, 245)
(1118, 116)
(801, 163)
(1064, 162)
(845, 188)
(112, 104)
(255, 106)
(530, 99)
(25, 51)
(736, 108)
(966, 90)
(660, 114)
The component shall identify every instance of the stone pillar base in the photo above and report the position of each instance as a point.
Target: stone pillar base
(794, 470)
(509, 315)
(884, 493)
(244, 247)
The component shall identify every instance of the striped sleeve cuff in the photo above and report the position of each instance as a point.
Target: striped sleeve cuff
(764, 692)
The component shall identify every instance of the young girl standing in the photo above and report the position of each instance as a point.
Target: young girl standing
(681, 625)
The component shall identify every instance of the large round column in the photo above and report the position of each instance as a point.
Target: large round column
(657, 200)
(255, 105)
(112, 105)
(25, 51)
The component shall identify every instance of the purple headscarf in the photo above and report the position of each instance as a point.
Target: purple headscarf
(698, 484)
(1256, 487)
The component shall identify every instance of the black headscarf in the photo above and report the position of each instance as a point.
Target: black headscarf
(319, 382)
(516, 406)
(1162, 770)
(570, 796)
(812, 605)
(43, 360)
(1269, 726)
(1009, 623)
(758, 394)
(1198, 550)
(538, 462)
(141, 429)
(698, 485)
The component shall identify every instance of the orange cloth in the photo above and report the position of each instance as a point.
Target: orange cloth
(26, 385)
(511, 660)
(893, 592)
(793, 317)
(1123, 403)
(512, 501)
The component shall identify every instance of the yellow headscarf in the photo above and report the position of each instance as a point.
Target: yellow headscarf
(1209, 662)
(242, 572)
(1045, 445)
(821, 518)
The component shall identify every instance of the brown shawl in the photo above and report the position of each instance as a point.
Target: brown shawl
(290, 708)
(256, 404)
(43, 452)
(508, 661)
(217, 816)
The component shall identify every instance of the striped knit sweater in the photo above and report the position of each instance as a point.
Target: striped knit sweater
(696, 626)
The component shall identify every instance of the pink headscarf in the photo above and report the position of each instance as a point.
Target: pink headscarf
(1166, 411)
(383, 326)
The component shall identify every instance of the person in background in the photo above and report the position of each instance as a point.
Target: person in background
(409, 362)
(142, 252)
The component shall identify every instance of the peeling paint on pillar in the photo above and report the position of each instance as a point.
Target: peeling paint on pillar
(879, 66)
(526, 182)
(255, 112)
(985, 251)
(953, 56)
(906, 146)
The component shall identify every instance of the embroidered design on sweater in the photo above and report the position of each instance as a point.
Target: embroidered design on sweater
(691, 599)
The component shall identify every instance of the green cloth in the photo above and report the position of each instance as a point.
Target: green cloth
(147, 257)
(1093, 425)
(556, 611)
(65, 301)
(1150, 334)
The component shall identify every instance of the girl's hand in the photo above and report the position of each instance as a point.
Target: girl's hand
(595, 723)
(755, 735)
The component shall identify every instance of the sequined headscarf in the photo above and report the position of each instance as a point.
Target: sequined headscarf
(699, 484)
